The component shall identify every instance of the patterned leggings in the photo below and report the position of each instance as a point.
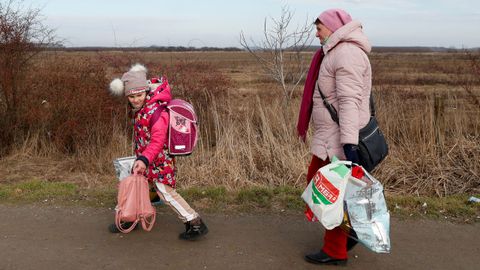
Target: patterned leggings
(170, 196)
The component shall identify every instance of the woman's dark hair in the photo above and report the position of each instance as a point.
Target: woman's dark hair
(317, 21)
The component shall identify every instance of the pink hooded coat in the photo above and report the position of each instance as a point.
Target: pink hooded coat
(151, 138)
(345, 79)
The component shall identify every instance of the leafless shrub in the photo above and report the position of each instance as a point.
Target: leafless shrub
(280, 51)
(22, 36)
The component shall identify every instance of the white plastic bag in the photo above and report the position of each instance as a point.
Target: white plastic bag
(368, 213)
(325, 192)
(123, 166)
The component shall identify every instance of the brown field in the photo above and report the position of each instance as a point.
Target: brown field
(68, 128)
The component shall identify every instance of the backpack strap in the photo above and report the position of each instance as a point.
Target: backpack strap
(156, 115)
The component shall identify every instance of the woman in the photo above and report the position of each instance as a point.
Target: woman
(344, 79)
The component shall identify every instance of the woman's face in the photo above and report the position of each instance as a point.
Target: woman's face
(137, 100)
(322, 33)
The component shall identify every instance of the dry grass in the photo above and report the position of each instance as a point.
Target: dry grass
(434, 147)
(248, 135)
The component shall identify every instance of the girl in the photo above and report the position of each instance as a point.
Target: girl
(150, 137)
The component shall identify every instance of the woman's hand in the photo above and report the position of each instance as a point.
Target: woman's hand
(139, 167)
(351, 153)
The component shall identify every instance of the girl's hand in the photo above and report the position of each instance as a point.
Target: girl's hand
(139, 167)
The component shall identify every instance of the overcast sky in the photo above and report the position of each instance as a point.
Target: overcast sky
(217, 23)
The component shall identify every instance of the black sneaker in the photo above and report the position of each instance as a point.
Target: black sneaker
(194, 229)
(113, 227)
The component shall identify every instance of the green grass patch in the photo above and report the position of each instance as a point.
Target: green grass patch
(454, 207)
(283, 198)
(255, 196)
(208, 198)
(102, 196)
(288, 198)
(37, 190)
(218, 194)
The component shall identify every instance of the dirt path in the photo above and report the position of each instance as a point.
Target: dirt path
(35, 237)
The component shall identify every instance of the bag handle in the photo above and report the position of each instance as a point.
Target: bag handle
(146, 224)
(333, 111)
(118, 223)
(339, 162)
(156, 114)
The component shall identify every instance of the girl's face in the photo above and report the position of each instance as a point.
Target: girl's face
(322, 33)
(137, 100)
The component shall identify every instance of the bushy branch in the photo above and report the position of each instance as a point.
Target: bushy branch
(22, 36)
(279, 53)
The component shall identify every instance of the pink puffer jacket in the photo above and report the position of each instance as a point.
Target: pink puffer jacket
(345, 78)
(156, 138)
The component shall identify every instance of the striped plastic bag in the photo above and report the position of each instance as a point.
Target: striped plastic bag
(325, 192)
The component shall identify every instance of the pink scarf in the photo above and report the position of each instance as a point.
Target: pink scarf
(307, 99)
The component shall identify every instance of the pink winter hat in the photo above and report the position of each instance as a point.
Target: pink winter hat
(334, 18)
(132, 82)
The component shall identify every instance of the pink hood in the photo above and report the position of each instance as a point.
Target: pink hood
(161, 92)
(351, 33)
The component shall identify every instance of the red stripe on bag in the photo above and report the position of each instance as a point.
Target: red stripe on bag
(326, 188)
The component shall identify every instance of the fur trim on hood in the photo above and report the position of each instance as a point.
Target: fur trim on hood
(159, 91)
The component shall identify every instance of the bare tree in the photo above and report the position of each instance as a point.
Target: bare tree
(22, 36)
(279, 52)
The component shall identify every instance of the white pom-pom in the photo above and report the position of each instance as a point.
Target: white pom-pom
(138, 67)
(116, 87)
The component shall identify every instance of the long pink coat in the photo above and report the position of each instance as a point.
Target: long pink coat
(345, 78)
(151, 139)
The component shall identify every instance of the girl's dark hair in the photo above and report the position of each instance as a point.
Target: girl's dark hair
(317, 21)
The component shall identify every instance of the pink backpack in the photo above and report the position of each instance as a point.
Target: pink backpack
(182, 129)
(133, 204)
